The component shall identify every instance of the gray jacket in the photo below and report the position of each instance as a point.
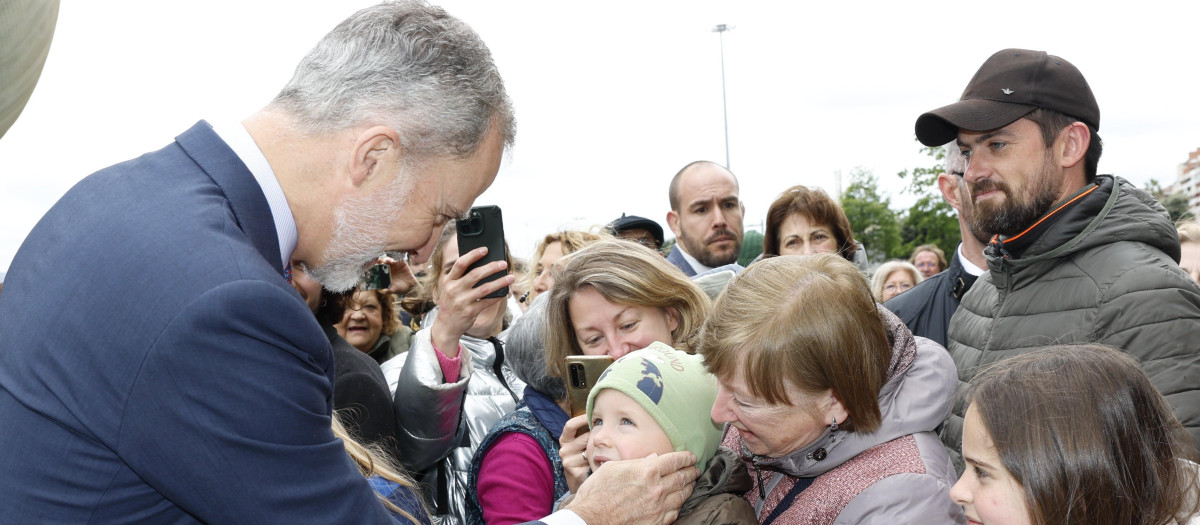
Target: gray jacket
(427, 413)
(1106, 270)
(915, 400)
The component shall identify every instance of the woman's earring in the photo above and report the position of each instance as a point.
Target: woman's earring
(833, 427)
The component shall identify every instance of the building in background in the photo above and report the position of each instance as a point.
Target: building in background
(1187, 182)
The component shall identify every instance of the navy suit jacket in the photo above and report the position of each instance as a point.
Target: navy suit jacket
(155, 366)
(676, 258)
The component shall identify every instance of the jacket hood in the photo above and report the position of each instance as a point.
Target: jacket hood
(1115, 211)
(917, 397)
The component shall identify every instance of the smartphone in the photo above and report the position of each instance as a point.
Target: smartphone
(583, 371)
(378, 277)
(483, 226)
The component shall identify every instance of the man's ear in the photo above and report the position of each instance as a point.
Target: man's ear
(948, 184)
(1073, 142)
(673, 222)
(374, 145)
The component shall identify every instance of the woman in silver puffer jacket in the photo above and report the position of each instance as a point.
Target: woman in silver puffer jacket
(454, 366)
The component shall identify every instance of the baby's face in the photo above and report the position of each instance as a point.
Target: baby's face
(622, 429)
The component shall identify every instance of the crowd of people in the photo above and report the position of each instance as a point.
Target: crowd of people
(224, 362)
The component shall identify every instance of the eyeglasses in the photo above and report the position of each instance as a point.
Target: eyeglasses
(645, 240)
(926, 265)
(897, 287)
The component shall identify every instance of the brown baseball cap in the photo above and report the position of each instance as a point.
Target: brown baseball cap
(1008, 86)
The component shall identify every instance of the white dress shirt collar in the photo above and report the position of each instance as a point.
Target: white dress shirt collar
(243, 145)
(966, 263)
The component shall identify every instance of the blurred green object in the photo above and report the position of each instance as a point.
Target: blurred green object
(26, 28)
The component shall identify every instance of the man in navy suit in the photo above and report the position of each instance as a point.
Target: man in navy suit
(706, 217)
(155, 364)
(176, 376)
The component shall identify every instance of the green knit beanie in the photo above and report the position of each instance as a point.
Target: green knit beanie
(677, 391)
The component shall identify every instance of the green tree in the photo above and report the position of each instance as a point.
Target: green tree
(752, 246)
(930, 220)
(1176, 203)
(1177, 206)
(873, 222)
(668, 245)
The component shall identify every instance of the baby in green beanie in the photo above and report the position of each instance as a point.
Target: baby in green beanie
(658, 400)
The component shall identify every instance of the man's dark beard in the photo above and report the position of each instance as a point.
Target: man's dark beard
(711, 259)
(976, 231)
(967, 213)
(1014, 215)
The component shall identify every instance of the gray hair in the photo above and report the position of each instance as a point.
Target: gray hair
(407, 65)
(955, 161)
(525, 351)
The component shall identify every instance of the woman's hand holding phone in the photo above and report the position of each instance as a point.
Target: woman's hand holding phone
(459, 302)
(572, 445)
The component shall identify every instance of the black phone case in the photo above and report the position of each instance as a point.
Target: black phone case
(491, 235)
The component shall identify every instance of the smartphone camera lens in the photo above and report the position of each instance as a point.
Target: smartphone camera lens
(474, 224)
(578, 380)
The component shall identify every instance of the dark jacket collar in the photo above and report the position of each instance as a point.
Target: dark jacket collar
(961, 279)
(546, 411)
(1070, 210)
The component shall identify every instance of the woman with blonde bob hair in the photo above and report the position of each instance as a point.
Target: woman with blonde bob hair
(830, 400)
(611, 298)
(1074, 435)
(626, 276)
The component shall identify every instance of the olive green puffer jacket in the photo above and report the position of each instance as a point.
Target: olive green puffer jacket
(1105, 270)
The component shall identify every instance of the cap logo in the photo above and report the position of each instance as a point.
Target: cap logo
(1006, 91)
(651, 382)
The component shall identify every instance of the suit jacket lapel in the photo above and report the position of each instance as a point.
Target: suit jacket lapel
(246, 199)
(676, 258)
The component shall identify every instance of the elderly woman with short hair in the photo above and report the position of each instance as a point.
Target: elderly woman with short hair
(831, 401)
(893, 278)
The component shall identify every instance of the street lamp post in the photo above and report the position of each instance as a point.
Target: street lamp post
(720, 31)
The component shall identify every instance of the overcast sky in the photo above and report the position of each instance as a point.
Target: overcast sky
(612, 98)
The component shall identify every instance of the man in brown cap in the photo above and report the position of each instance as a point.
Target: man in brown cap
(1078, 257)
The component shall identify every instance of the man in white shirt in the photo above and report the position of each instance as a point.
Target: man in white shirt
(928, 307)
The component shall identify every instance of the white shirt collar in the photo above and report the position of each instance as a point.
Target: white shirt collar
(243, 145)
(966, 263)
(696, 266)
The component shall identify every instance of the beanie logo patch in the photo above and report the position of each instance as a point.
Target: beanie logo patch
(1007, 91)
(651, 382)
